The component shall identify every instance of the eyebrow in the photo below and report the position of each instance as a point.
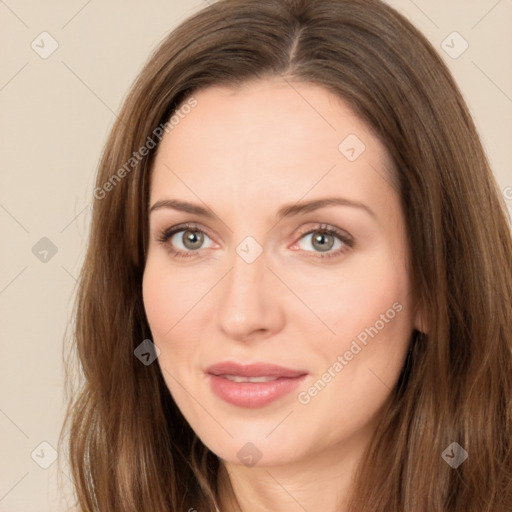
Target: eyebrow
(285, 211)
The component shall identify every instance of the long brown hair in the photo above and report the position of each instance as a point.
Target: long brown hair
(130, 449)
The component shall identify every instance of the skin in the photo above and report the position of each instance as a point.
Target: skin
(243, 154)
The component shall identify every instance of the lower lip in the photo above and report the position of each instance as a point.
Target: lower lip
(253, 394)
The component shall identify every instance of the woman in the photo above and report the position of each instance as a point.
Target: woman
(297, 292)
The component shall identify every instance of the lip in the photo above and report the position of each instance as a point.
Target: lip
(253, 370)
(252, 394)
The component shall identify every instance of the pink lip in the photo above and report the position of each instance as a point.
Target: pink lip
(252, 394)
(253, 370)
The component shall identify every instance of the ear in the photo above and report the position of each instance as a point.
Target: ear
(421, 320)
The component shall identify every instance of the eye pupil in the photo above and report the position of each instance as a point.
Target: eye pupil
(192, 239)
(320, 239)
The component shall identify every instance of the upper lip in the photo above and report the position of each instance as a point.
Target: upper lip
(253, 370)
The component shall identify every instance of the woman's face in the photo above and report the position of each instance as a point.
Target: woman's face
(282, 320)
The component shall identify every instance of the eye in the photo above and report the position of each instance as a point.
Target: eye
(187, 240)
(324, 239)
(184, 240)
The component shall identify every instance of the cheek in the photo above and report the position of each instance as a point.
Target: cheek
(172, 304)
(354, 298)
(166, 299)
(372, 325)
(157, 301)
(359, 367)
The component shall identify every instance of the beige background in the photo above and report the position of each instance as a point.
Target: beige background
(56, 113)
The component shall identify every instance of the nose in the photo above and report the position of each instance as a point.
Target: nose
(250, 306)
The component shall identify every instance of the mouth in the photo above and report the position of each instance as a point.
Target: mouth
(239, 378)
(252, 385)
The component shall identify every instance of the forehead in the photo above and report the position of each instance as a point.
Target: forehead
(269, 138)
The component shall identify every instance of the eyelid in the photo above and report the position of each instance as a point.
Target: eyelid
(323, 227)
(193, 226)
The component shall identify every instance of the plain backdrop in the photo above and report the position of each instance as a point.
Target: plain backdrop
(57, 110)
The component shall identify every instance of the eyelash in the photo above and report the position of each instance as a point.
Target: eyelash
(164, 236)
